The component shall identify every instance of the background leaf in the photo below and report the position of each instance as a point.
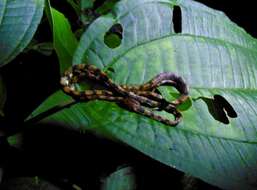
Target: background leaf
(122, 179)
(64, 40)
(18, 23)
(214, 55)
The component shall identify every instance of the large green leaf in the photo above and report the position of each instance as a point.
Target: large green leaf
(18, 23)
(214, 55)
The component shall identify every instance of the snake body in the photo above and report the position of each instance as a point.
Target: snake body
(134, 98)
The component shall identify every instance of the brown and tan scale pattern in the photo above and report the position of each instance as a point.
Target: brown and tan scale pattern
(142, 99)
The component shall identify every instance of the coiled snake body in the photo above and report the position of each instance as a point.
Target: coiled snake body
(132, 98)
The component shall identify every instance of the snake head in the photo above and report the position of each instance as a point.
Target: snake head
(64, 81)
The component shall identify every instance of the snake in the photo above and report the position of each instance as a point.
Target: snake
(143, 99)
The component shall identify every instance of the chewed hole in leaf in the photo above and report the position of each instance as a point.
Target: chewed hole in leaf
(113, 37)
(226, 106)
(177, 19)
(220, 108)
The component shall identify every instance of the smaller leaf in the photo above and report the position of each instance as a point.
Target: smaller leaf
(64, 40)
(122, 179)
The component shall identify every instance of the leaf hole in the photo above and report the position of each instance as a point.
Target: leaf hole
(113, 37)
(177, 19)
(226, 106)
(220, 109)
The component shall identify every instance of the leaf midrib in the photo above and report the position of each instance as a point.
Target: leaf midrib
(115, 59)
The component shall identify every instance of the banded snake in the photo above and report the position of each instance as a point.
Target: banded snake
(133, 98)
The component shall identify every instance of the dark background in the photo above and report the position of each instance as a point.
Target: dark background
(241, 12)
(65, 157)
